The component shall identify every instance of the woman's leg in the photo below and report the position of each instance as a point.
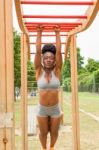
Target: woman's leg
(44, 128)
(54, 127)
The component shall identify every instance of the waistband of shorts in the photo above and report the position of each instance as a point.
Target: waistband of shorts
(53, 106)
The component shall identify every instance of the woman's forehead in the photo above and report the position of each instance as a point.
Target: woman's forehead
(49, 54)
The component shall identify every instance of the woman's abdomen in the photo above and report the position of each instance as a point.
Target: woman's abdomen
(49, 97)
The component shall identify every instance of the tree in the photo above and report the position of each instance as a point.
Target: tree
(90, 78)
(32, 85)
(17, 65)
(80, 62)
(66, 72)
(92, 65)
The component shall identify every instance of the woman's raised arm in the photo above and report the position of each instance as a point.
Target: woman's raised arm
(58, 48)
(37, 59)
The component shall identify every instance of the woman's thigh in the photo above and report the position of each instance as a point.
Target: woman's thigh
(54, 124)
(43, 123)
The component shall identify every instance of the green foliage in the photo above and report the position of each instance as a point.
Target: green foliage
(31, 76)
(80, 62)
(17, 60)
(90, 78)
(17, 65)
(92, 65)
(66, 71)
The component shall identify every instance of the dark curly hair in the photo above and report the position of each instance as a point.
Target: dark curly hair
(49, 48)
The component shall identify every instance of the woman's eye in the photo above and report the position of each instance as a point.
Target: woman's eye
(45, 58)
(49, 58)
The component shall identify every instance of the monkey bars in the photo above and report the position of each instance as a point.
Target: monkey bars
(76, 22)
(70, 24)
(68, 27)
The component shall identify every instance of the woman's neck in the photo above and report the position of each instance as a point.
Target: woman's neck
(48, 70)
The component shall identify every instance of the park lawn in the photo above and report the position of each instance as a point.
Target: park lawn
(87, 101)
(89, 133)
(89, 129)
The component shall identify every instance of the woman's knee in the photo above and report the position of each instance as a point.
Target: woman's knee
(54, 133)
(43, 134)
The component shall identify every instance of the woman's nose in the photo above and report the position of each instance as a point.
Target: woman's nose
(48, 59)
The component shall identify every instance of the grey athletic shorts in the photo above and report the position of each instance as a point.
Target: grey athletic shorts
(51, 111)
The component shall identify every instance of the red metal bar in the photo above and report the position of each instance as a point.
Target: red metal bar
(35, 53)
(34, 35)
(62, 17)
(55, 23)
(51, 28)
(57, 3)
(49, 31)
(67, 25)
(46, 43)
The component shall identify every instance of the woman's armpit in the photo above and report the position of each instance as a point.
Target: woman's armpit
(38, 72)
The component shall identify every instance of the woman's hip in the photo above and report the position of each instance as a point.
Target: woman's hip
(52, 111)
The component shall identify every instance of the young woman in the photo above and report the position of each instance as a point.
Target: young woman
(48, 64)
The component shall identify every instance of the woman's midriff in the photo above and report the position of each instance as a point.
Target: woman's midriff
(49, 97)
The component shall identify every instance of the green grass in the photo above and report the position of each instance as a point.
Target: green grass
(89, 133)
(89, 128)
(87, 101)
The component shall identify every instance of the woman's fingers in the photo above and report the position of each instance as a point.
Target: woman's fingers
(57, 28)
(40, 28)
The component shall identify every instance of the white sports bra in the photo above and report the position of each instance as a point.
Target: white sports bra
(54, 82)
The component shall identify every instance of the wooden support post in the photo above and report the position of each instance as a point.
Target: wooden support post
(74, 86)
(24, 91)
(2, 74)
(61, 103)
(6, 76)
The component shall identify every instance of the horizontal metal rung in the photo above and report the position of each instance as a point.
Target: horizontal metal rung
(54, 23)
(57, 3)
(57, 17)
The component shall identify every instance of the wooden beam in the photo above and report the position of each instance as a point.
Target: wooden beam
(2, 73)
(61, 103)
(7, 75)
(24, 119)
(74, 87)
(21, 24)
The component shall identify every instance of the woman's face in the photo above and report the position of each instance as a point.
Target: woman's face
(48, 60)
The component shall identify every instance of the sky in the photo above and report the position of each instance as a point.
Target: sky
(87, 41)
